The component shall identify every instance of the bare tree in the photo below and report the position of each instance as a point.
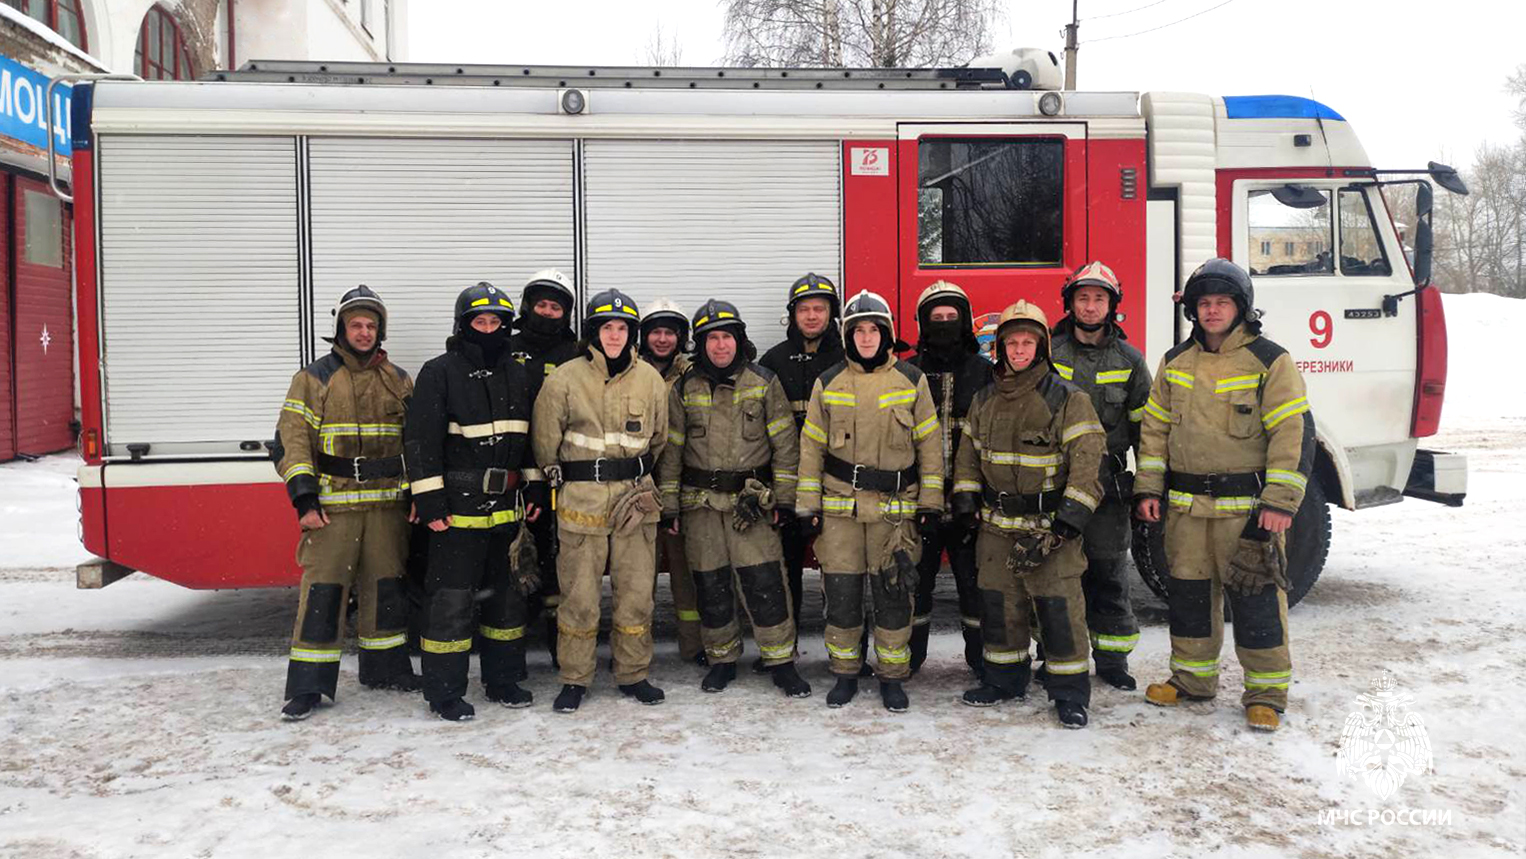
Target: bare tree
(662, 49)
(875, 33)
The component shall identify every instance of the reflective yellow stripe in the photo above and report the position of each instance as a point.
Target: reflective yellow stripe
(1179, 499)
(1005, 657)
(1285, 411)
(1152, 463)
(688, 614)
(577, 633)
(364, 496)
(1154, 410)
(1137, 415)
(925, 428)
(500, 634)
(427, 484)
(842, 652)
(302, 654)
(932, 481)
(1075, 431)
(837, 503)
(1291, 478)
(1238, 383)
(839, 398)
(385, 643)
(361, 429)
(1235, 503)
(498, 517)
(898, 508)
(971, 622)
(1003, 457)
(778, 651)
(488, 429)
(724, 650)
(1083, 498)
(669, 487)
(1204, 668)
(755, 392)
(431, 646)
(1115, 643)
(631, 630)
(814, 433)
(893, 655)
(810, 484)
(992, 516)
(966, 486)
(780, 425)
(784, 477)
(481, 301)
(701, 399)
(1054, 667)
(898, 398)
(299, 408)
(299, 468)
(1177, 377)
(1114, 377)
(1268, 679)
(1066, 373)
(675, 437)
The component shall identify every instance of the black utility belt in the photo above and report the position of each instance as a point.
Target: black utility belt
(1022, 503)
(361, 468)
(604, 470)
(487, 481)
(725, 481)
(862, 477)
(1217, 485)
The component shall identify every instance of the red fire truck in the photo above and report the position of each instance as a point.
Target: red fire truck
(217, 220)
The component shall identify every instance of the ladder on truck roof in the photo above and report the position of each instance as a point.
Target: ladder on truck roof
(606, 77)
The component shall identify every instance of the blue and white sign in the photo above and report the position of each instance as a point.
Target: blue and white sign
(24, 107)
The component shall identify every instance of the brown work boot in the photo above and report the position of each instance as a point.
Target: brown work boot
(1169, 695)
(1260, 717)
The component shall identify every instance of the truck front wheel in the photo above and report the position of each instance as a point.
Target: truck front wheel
(1308, 546)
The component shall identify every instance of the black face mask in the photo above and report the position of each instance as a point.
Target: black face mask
(617, 364)
(492, 343)
(943, 334)
(541, 326)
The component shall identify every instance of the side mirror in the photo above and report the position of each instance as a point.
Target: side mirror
(1423, 239)
(1299, 196)
(1446, 177)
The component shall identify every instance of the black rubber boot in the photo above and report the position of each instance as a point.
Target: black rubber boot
(1072, 715)
(987, 695)
(569, 699)
(454, 710)
(701, 659)
(719, 677)
(843, 692)
(758, 667)
(788, 678)
(893, 696)
(511, 695)
(1118, 678)
(644, 692)
(301, 706)
(974, 651)
(919, 636)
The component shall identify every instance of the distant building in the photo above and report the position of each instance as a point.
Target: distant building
(166, 40)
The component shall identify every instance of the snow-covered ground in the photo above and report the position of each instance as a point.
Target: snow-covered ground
(141, 720)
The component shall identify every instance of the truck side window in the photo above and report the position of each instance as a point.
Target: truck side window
(990, 202)
(1361, 251)
(1290, 231)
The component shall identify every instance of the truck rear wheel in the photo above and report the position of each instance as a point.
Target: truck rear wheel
(1308, 546)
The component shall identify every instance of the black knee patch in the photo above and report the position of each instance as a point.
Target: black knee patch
(763, 589)
(1054, 623)
(845, 599)
(993, 618)
(451, 615)
(890, 611)
(504, 606)
(1190, 611)
(717, 601)
(391, 604)
(321, 622)
(1255, 618)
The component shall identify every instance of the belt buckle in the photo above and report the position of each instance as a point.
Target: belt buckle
(597, 477)
(495, 481)
(854, 482)
(715, 481)
(1211, 484)
(355, 468)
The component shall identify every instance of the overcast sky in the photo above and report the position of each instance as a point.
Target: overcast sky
(1416, 80)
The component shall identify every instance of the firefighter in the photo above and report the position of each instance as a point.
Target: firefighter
(729, 471)
(338, 447)
(664, 340)
(949, 354)
(544, 340)
(465, 443)
(1029, 473)
(812, 343)
(598, 425)
(1228, 443)
(1092, 353)
(871, 483)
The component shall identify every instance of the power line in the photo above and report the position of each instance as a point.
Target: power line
(1124, 12)
(1164, 26)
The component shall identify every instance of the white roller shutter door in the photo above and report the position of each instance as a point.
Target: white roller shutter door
(691, 220)
(420, 220)
(198, 288)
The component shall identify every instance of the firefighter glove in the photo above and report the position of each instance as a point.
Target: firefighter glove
(752, 504)
(927, 522)
(632, 508)
(1029, 549)
(810, 526)
(1255, 564)
(524, 562)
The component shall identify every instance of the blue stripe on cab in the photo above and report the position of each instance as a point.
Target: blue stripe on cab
(1277, 107)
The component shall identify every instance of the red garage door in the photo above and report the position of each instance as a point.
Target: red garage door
(43, 333)
(7, 374)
